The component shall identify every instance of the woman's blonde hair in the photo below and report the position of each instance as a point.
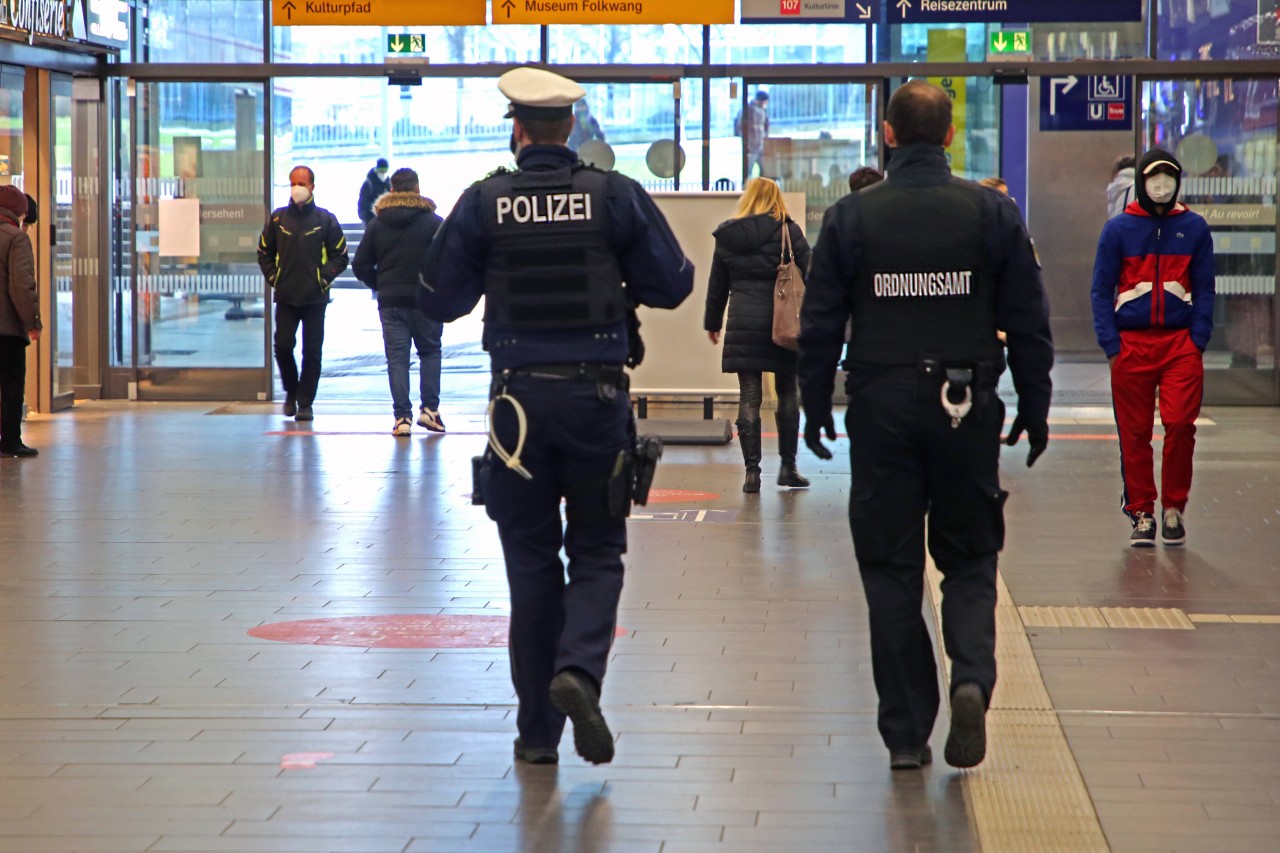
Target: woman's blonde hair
(762, 196)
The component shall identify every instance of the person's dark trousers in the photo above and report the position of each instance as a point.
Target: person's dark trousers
(907, 461)
(787, 417)
(401, 327)
(13, 379)
(573, 442)
(300, 387)
(750, 395)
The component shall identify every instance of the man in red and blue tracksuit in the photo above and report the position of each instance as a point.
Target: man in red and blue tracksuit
(1153, 289)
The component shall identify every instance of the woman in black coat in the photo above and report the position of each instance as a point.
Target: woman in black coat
(745, 264)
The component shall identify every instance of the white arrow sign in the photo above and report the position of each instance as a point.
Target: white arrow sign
(903, 6)
(1068, 83)
(864, 12)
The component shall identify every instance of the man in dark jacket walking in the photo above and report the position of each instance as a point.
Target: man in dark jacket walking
(375, 186)
(19, 317)
(301, 252)
(389, 260)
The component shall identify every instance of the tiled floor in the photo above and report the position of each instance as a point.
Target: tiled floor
(138, 714)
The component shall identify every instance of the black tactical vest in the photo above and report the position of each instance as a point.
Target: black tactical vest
(549, 264)
(922, 287)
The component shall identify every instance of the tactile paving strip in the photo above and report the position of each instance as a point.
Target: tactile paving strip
(1154, 618)
(1028, 795)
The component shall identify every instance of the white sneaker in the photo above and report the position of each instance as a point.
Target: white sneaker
(430, 419)
(404, 426)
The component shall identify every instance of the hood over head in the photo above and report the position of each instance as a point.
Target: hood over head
(1156, 161)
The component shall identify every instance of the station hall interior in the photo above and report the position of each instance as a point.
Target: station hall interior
(227, 631)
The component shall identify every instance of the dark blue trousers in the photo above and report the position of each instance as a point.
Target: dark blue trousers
(910, 465)
(572, 446)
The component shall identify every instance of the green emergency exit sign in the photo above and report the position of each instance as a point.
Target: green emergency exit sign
(1007, 42)
(406, 43)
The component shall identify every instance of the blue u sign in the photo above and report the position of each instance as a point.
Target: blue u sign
(1069, 102)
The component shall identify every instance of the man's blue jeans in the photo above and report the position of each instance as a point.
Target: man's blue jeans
(400, 327)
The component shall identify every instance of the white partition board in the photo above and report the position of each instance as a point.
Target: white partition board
(678, 356)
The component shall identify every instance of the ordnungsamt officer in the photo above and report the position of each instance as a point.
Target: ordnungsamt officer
(549, 246)
(929, 267)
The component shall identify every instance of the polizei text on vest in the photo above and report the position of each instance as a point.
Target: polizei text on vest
(554, 207)
(914, 284)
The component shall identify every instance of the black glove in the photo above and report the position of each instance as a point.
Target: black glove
(1037, 437)
(813, 428)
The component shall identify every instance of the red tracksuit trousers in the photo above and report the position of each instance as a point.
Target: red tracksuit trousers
(1167, 360)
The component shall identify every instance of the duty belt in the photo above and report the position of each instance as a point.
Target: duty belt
(611, 374)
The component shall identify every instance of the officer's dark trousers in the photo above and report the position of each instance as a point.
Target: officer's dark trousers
(573, 442)
(908, 465)
(301, 387)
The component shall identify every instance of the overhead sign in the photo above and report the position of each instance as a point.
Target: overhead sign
(612, 11)
(1085, 103)
(810, 11)
(403, 43)
(1010, 43)
(377, 13)
(41, 17)
(1011, 11)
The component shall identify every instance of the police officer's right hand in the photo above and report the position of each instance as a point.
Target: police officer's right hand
(1037, 437)
(813, 428)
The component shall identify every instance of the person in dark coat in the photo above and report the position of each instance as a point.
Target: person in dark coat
(375, 186)
(389, 260)
(19, 317)
(745, 264)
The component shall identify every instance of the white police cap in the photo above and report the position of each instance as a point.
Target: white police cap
(539, 94)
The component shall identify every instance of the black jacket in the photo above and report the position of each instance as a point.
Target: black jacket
(745, 264)
(301, 251)
(395, 244)
(371, 190)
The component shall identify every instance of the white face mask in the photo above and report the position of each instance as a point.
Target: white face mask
(1160, 188)
(300, 195)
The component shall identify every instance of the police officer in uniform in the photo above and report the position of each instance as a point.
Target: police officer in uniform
(928, 266)
(550, 246)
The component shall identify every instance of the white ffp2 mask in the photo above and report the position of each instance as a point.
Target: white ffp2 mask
(300, 195)
(1160, 188)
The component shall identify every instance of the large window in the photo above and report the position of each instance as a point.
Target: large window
(442, 45)
(198, 31)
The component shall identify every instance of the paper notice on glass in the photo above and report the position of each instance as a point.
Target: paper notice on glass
(180, 227)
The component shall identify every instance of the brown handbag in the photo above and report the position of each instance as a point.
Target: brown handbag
(788, 294)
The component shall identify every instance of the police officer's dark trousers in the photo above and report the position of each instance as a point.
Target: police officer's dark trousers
(574, 437)
(909, 463)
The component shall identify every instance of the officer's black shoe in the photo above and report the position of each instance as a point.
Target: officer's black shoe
(536, 754)
(967, 742)
(751, 484)
(575, 696)
(911, 759)
(789, 476)
(290, 406)
(18, 449)
(1144, 531)
(305, 414)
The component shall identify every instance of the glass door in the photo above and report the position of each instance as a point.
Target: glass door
(1224, 133)
(198, 210)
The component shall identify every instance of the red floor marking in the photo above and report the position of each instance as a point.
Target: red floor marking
(671, 496)
(302, 760)
(397, 631)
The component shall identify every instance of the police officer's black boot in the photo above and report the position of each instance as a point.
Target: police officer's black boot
(749, 438)
(788, 442)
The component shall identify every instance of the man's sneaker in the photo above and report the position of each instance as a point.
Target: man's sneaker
(18, 449)
(430, 419)
(1172, 530)
(290, 407)
(304, 414)
(576, 697)
(536, 754)
(967, 741)
(404, 426)
(1144, 531)
(910, 759)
